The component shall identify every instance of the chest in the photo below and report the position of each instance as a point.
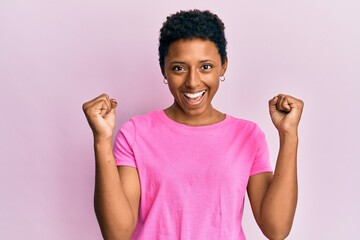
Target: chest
(195, 161)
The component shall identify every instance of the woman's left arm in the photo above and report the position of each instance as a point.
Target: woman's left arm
(273, 197)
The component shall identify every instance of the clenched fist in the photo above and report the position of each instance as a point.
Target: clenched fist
(100, 114)
(285, 112)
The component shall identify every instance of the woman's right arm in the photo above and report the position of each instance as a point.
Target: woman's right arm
(117, 189)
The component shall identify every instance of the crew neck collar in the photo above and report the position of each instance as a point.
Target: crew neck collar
(175, 124)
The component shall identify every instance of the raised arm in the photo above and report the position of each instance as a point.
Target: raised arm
(273, 197)
(117, 190)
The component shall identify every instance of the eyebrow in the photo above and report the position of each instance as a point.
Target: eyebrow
(206, 60)
(177, 62)
(201, 61)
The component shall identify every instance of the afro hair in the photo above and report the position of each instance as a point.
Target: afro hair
(189, 25)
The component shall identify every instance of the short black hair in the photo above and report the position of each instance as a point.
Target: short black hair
(189, 25)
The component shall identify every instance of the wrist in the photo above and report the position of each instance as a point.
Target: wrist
(102, 138)
(289, 135)
(288, 141)
(100, 142)
(103, 148)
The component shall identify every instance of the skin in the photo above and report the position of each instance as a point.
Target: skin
(190, 67)
(193, 66)
(117, 189)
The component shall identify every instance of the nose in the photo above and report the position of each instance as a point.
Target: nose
(192, 79)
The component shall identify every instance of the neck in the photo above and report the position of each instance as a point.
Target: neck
(208, 117)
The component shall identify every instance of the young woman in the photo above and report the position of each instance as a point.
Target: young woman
(182, 172)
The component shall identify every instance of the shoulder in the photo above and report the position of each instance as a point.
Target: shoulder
(244, 125)
(245, 130)
(137, 124)
(147, 120)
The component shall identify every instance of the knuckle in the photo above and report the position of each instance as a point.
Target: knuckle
(85, 107)
(104, 95)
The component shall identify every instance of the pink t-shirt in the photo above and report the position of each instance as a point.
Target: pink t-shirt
(193, 179)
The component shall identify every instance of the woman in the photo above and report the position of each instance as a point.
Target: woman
(182, 172)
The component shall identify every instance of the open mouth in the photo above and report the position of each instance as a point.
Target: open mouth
(194, 98)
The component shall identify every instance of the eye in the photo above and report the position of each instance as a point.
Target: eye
(206, 67)
(178, 68)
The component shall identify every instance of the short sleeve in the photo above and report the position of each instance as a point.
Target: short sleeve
(123, 145)
(261, 161)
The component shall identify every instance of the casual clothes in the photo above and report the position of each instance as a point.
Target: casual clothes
(193, 179)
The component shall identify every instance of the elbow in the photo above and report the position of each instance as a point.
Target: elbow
(277, 235)
(114, 225)
(115, 228)
(276, 232)
(120, 233)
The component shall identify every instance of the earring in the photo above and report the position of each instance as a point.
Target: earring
(222, 78)
(165, 81)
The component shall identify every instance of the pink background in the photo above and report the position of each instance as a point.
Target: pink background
(54, 55)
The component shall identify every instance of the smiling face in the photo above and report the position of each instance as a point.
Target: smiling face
(192, 69)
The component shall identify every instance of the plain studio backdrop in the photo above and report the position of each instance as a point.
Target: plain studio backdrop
(55, 55)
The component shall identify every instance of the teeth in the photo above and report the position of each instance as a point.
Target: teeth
(194, 95)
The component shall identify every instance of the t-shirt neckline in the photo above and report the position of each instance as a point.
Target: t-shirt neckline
(182, 126)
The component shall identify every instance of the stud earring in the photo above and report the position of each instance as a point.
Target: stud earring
(222, 78)
(165, 81)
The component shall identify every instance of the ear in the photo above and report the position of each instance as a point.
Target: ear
(224, 67)
(163, 71)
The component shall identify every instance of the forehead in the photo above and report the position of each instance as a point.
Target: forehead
(193, 50)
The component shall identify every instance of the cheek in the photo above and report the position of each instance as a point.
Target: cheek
(214, 86)
(173, 88)
(214, 89)
(213, 81)
(175, 81)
